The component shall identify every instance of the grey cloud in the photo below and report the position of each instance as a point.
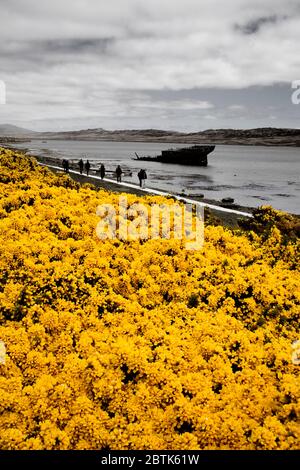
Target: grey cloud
(255, 25)
(75, 45)
(53, 49)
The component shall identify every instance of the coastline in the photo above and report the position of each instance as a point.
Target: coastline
(224, 214)
(278, 189)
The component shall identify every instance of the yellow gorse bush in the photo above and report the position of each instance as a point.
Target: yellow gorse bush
(140, 344)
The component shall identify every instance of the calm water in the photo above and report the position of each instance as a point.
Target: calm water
(251, 175)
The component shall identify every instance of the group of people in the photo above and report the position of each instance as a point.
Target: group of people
(87, 166)
(142, 175)
(82, 166)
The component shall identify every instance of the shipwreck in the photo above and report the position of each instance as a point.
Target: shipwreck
(195, 155)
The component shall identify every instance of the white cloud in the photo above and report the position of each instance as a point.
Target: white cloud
(210, 117)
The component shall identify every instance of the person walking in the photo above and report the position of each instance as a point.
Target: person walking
(64, 165)
(119, 174)
(142, 177)
(87, 167)
(67, 166)
(102, 171)
(81, 166)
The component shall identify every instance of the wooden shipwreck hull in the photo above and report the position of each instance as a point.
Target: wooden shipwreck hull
(195, 155)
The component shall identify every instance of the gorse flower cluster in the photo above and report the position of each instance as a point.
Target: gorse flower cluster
(116, 344)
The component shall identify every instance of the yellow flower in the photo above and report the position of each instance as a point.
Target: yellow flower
(141, 344)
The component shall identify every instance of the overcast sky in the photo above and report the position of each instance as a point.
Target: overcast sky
(169, 64)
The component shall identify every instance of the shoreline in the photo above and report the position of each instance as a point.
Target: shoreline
(226, 214)
(212, 197)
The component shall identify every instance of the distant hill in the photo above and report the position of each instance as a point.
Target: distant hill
(258, 136)
(8, 130)
(102, 134)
